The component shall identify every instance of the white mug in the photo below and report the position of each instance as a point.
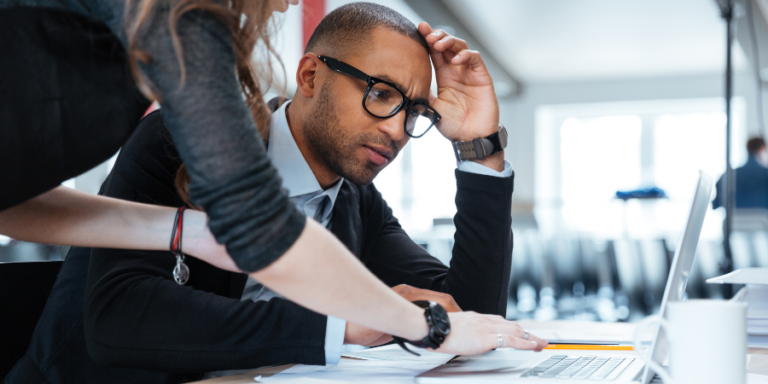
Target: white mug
(707, 342)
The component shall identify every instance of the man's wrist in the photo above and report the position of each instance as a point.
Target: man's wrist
(495, 161)
(469, 136)
(482, 148)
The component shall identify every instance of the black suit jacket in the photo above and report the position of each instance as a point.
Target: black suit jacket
(129, 321)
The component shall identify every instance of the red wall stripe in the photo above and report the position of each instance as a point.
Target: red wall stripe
(313, 11)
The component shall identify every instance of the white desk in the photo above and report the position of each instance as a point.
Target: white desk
(758, 363)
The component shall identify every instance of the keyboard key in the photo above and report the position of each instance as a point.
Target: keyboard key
(616, 372)
(544, 365)
(607, 368)
(559, 367)
(575, 367)
(589, 369)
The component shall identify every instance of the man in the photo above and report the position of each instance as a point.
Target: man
(328, 143)
(751, 179)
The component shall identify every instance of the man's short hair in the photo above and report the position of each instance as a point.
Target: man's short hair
(347, 27)
(754, 145)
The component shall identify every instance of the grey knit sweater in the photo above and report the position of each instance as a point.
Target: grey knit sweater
(232, 178)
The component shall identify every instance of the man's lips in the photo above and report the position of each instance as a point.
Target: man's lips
(378, 155)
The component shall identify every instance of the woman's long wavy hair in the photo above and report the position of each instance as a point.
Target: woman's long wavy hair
(249, 21)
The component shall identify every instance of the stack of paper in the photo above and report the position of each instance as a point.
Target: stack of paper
(755, 294)
(756, 297)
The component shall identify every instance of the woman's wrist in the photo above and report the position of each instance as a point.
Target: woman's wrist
(200, 243)
(417, 324)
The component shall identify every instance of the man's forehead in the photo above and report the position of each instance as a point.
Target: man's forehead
(398, 59)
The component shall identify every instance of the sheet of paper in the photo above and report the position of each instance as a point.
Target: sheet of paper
(742, 276)
(384, 365)
(394, 352)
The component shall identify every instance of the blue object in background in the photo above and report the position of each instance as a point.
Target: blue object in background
(643, 193)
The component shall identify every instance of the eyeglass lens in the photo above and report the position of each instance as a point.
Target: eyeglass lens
(383, 100)
(419, 119)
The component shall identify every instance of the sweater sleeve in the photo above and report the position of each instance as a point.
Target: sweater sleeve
(211, 125)
(136, 316)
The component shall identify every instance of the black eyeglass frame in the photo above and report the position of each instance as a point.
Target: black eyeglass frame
(346, 69)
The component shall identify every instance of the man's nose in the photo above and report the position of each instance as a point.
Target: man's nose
(393, 126)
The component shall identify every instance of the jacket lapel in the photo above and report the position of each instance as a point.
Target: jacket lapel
(346, 223)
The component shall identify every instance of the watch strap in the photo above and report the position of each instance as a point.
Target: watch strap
(432, 340)
(481, 148)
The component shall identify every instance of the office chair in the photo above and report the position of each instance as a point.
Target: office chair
(24, 290)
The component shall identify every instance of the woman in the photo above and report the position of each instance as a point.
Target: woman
(71, 104)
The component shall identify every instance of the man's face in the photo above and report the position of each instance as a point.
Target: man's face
(348, 140)
(762, 156)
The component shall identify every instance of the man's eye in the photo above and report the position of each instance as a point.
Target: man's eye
(379, 94)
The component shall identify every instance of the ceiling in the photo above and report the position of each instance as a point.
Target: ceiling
(566, 40)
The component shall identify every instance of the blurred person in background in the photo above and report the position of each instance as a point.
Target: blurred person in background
(751, 178)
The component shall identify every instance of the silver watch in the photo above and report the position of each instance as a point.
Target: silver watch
(481, 148)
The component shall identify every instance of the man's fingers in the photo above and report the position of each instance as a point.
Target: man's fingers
(424, 28)
(450, 44)
(413, 294)
(448, 304)
(469, 57)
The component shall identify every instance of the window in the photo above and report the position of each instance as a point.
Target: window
(603, 148)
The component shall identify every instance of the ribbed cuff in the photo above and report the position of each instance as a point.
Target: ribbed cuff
(255, 258)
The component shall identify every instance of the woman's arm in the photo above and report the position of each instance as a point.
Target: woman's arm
(66, 216)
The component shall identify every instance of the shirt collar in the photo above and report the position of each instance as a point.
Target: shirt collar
(298, 177)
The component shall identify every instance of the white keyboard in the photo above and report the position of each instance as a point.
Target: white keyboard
(580, 367)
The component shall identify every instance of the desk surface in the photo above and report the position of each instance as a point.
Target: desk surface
(758, 362)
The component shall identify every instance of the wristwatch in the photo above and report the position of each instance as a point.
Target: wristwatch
(481, 148)
(439, 327)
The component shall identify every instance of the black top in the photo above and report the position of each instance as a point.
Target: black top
(68, 102)
(135, 316)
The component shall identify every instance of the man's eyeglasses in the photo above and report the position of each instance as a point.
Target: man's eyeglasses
(382, 99)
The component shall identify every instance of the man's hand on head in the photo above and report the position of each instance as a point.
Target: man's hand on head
(465, 97)
(357, 334)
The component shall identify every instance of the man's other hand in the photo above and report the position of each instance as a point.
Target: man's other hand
(357, 334)
(415, 294)
(465, 96)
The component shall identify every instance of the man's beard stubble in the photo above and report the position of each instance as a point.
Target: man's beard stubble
(335, 149)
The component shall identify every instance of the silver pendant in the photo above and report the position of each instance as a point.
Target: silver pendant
(181, 271)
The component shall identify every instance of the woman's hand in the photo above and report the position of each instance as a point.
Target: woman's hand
(473, 333)
(358, 334)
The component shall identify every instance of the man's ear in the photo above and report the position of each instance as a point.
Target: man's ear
(306, 75)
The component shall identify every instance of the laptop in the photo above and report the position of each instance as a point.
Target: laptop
(589, 366)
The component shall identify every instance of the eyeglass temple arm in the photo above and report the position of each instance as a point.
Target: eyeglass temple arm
(344, 68)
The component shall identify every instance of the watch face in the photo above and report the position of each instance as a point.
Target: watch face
(503, 137)
(440, 320)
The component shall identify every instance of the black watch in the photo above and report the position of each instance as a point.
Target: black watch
(482, 147)
(439, 327)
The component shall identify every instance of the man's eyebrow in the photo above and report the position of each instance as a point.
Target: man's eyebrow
(401, 88)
